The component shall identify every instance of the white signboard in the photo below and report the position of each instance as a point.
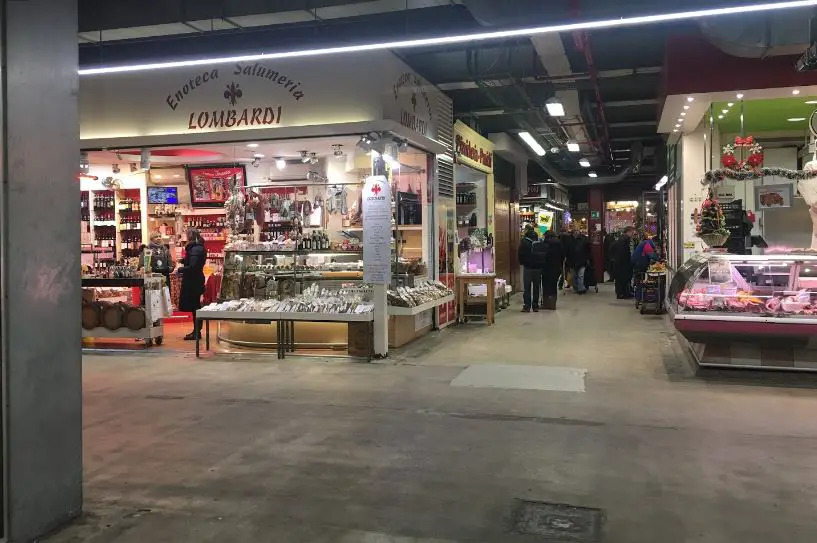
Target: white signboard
(725, 193)
(377, 232)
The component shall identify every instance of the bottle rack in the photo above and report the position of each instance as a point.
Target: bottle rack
(129, 210)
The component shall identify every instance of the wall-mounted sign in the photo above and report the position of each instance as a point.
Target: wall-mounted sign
(471, 149)
(595, 215)
(544, 220)
(210, 185)
(377, 235)
(724, 192)
(773, 196)
(315, 91)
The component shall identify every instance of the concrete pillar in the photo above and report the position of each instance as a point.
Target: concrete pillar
(595, 205)
(40, 273)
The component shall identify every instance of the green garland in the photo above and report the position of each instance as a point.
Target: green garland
(713, 176)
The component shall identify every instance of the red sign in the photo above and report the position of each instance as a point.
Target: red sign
(468, 150)
(210, 185)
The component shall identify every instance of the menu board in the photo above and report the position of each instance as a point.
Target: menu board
(773, 196)
(377, 232)
(210, 185)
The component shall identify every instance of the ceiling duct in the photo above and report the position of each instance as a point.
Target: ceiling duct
(784, 32)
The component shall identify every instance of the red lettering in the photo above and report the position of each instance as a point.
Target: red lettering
(190, 125)
(269, 115)
(256, 115)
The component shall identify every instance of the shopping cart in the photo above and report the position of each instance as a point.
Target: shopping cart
(650, 292)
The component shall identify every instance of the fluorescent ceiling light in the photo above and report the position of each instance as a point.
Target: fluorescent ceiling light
(573, 147)
(720, 116)
(532, 143)
(683, 114)
(812, 102)
(465, 38)
(258, 155)
(584, 163)
(724, 111)
(796, 119)
(252, 145)
(555, 109)
(686, 107)
(690, 99)
(739, 96)
(795, 92)
(661, 183)
(592, 174)
(675, 130)
(677, 126)
(680, 119)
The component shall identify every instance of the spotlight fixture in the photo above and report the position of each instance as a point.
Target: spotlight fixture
(720, 116)
(584, 163)
(739, 96)
(593, 174)
(555, 108)
(686, 107)
(690, 99)
(337, 151)
(313, 158)
(258, 155)
(532, 143)
(730, 104)
(724, 111)
(305, 157)
(683, 114)
(573, 147)
(680, 119)
(115, 169)
(795, 92)
(280, 163)
(252, 145)
(256, 162)
(677, 126)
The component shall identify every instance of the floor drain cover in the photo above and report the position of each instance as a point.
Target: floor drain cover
(558, 521)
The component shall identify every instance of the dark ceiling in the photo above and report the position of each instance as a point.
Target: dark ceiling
(609, 80)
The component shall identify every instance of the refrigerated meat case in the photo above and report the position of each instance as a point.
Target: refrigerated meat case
(748, 311)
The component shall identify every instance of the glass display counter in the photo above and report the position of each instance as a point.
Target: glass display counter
(757, 311)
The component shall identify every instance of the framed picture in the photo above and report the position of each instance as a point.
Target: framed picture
(773, 196)
(210, 185)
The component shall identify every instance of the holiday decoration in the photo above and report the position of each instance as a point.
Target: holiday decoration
(713, 176)
(745, 146)
(710, 224)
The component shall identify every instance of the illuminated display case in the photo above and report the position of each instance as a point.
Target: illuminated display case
(748, 310)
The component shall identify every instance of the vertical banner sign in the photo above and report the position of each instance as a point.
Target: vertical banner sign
(377, 218)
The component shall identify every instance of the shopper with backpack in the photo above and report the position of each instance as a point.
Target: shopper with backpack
(532, 263)
(554, 258)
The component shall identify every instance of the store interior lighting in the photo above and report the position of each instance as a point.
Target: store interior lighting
(252, 145)
(573, 147)
(280, 163)
(584, 163)
(466, 38)
(592, 174)
(532, 143)
(84, 163)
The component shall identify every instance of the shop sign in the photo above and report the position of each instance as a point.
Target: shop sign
(270, 94)
(377, 235)
(595, 215)
(472, 149)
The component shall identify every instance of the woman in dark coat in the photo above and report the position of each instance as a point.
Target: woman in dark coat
(192, 272)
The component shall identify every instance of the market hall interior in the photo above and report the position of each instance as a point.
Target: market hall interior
(593, 405)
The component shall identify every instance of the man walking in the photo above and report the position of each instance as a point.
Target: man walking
(531, 270)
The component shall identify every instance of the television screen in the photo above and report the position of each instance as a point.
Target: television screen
(163, 195)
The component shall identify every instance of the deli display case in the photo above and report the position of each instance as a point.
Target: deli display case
(748, 311)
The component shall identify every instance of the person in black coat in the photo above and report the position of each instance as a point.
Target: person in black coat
(192, 272)
(581, 258)
(531, 271)
(622, 265)
(552, 270)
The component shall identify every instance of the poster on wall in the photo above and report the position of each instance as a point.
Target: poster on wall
(377, 234)
(544, 221)
(773, 196)
(210, 185)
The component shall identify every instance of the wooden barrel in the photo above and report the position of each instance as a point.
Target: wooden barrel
(111, 316)
(135, 318)
(90, 315)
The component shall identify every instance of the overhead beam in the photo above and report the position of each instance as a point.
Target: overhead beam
(569, 78)
(632, 123)
(629, 103)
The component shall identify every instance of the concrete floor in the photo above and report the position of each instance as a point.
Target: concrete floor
(312, 451)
